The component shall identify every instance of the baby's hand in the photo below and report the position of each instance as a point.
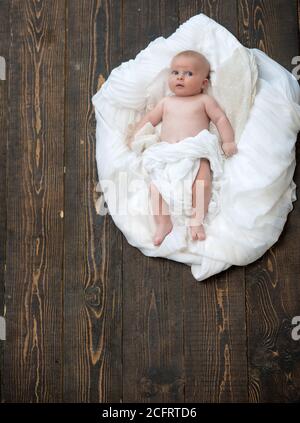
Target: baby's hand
(229, 148)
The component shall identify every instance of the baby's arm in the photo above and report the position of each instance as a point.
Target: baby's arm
(218, 117)
(154, 116)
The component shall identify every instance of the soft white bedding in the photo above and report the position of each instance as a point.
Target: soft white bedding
(254, 189)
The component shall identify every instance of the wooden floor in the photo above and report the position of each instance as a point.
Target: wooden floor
(89, 318)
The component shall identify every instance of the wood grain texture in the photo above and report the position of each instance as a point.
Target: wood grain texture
(4, 49)
(270, 26)
(214, 310)
(35, 200)
(152, 295)
(223, 11)
(273, 289)
(92, 243)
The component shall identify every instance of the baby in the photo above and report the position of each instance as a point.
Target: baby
(184, 115)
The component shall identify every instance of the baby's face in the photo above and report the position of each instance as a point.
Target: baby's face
(187, 76)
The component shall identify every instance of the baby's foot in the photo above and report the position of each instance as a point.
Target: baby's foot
(162, 230)
(197, 232)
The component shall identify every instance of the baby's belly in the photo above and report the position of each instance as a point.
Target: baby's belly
(176, 133)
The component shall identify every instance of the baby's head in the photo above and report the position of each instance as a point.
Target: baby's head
(189, 73)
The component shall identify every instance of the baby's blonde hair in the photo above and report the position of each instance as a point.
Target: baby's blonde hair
(196, 55)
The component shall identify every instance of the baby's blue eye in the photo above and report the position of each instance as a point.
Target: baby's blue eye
(175, 72)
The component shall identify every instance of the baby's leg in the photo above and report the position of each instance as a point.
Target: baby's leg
(201, 193)
(161, 215)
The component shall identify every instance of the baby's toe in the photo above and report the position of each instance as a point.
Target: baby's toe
(193, 233)
(157, 241)
(201, 236)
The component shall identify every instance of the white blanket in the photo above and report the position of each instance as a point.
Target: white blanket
(255, 188)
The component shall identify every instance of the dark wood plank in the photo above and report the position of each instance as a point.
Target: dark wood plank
(215, 339)
(214, 316)
(33, 291)
(298, 8)
(4, 48)
(93, 245)
(222, 11)
(273, 290)
(153, 356)
(271, 26)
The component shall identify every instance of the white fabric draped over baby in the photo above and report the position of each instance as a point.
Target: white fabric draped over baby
(253, 190)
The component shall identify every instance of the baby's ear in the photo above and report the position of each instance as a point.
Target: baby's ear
(205, 83)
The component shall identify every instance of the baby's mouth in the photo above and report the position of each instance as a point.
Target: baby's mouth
(179, 85)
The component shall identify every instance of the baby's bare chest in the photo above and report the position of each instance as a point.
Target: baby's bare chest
(184, 110)
(181, 120)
